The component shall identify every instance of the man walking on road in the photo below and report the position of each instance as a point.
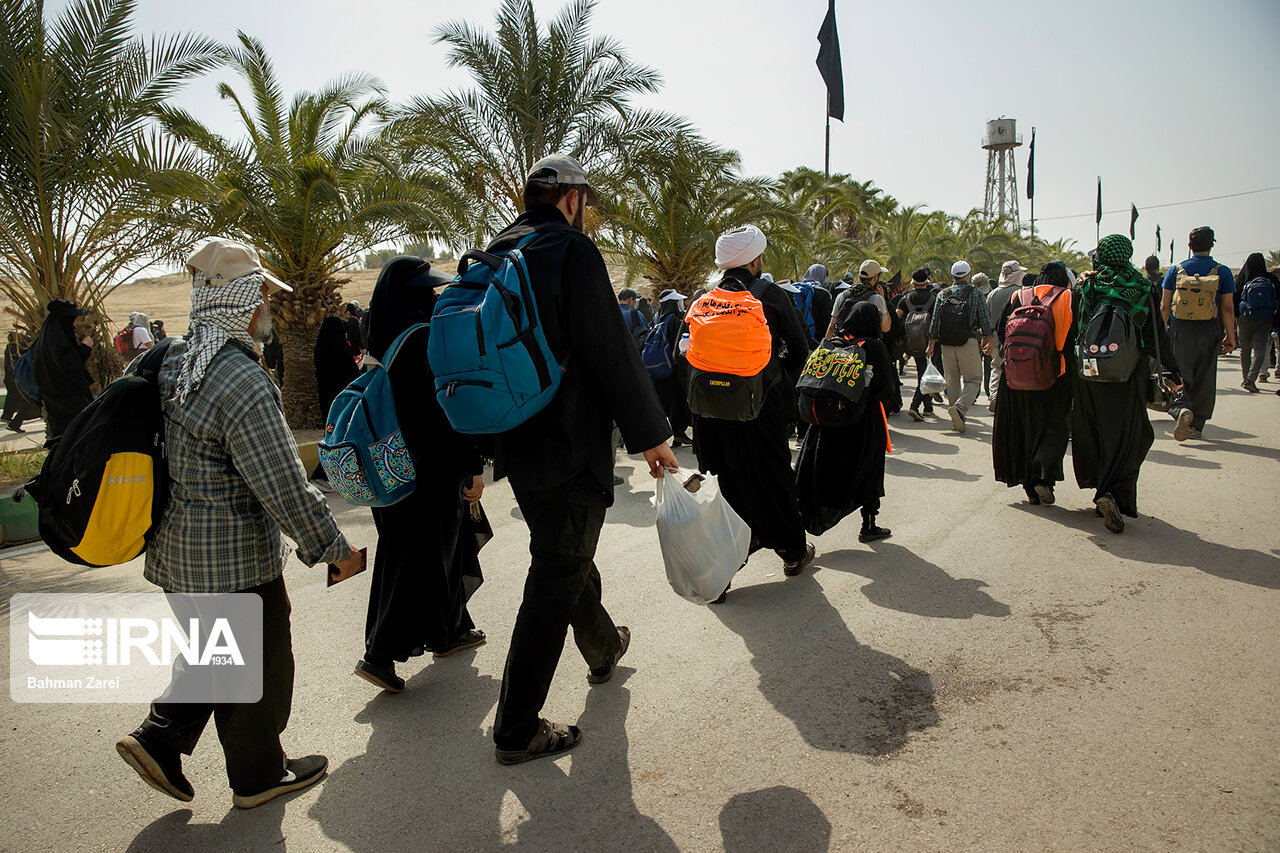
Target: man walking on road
(560, 461)
(1198, 294)
(235, 482)
(1011, 276)
(960, 321)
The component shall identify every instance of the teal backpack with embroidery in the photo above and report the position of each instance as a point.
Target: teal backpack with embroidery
(363, 451)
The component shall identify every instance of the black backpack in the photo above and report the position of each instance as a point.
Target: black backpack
(1108, 350)
(955, 327)
(104, 485)
(832, 388)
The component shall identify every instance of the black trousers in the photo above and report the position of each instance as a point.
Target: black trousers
(921, 362)
(561, 590)
(249, 733)
(1196, 347)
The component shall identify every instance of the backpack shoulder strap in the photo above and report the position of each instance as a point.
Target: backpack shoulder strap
(390, 355)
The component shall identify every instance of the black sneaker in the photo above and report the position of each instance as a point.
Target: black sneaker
(299, 773)
(793, 569)
(874, 534)
(618, 481)
(915, 415)
(159, 767)
(1045, 492)
(601, 674)
(381, 676)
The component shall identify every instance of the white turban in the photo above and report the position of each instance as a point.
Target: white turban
(739, 247)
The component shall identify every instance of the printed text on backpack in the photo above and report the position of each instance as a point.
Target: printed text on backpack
(730, 348)
(832, 388)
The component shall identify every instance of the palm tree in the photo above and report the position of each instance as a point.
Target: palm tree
(537, 91)
(87, 181)
(667, 212)
(909, 238)
(313, 187)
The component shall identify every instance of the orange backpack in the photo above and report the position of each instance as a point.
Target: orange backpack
(730, 348)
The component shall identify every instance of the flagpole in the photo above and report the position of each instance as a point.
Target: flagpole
(1033, 194)
(826, 162)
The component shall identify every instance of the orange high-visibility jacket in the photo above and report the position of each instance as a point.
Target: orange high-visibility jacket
(728, 333)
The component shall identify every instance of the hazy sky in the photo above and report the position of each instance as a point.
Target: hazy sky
(1167, 100)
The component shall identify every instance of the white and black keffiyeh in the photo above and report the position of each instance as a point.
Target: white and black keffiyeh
(220, 312)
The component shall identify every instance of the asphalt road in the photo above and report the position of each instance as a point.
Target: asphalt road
(993, 677)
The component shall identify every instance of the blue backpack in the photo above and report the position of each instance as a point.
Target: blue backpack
(488, 351)
(1258, 300)
(803, 299)
(24, 375)
(363, 451)
(656, 354)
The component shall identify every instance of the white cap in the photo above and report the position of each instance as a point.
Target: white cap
(959, 269)
(739, 247)
(672, 296)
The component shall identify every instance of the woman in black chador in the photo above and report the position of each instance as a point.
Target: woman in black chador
(426, 565)
(1110, 430)
(841, 468)
(1029, 432)
(335, 363)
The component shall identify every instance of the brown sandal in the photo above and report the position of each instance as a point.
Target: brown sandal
(551, 739)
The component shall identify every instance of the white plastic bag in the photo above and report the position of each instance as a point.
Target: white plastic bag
(933, 382)
(704, 542)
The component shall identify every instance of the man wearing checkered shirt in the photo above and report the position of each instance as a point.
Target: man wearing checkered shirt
(236, 484)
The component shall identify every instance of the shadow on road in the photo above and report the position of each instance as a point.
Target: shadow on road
(1151, 540)
(920, 470)
(913, 442)
(902, 581)
(258, 829)
(1164, 457)
(840, 694)
(428, 780)
(777, 819)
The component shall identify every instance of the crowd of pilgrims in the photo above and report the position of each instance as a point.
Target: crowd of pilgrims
(839, 470)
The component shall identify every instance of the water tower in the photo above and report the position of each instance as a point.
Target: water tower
(1002, 177)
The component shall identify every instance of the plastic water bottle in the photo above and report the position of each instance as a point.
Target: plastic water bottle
(683, 345)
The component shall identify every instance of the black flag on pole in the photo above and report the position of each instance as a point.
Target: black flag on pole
(1098, 219)
(1157, 239)
(829, 63)
(1031, 167)
(1133, 220)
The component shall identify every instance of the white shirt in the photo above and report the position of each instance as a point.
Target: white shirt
(141, 337)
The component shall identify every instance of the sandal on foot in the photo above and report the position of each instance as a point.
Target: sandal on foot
(466, 640)
(551, 739)
(601, 674)
(381, 676)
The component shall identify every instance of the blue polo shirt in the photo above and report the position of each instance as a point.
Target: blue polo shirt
(1202, 265)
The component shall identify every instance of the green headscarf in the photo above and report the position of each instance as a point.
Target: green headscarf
(1116, 280)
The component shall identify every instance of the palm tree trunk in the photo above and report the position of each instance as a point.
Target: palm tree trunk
(298, 316)
(298, 392)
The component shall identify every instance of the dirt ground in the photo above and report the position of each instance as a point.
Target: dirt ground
(994, 677)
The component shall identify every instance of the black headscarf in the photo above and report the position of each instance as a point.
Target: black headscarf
(1254, 266)
(404, 295)
(858, 320)
(1055, 274)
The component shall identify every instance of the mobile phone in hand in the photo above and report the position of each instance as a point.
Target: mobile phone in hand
(337, 575)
